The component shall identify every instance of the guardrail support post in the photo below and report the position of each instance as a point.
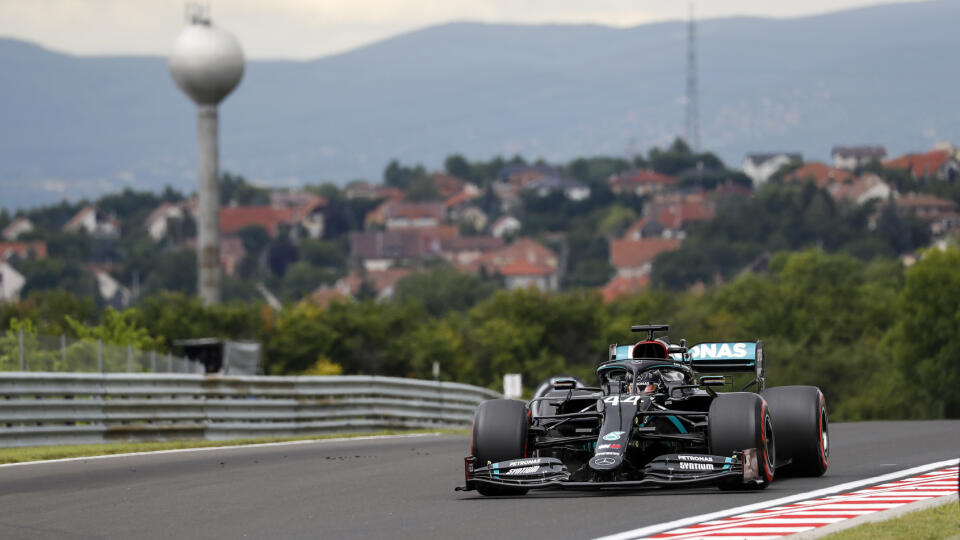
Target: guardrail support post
(129, 358)
(169, 363)
(100, 355)
(153, 361)
(21, 349)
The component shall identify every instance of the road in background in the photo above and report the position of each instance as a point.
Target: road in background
(384, 488)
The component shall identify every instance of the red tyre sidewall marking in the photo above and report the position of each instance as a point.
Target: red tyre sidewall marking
(767, 473)
(821, 414)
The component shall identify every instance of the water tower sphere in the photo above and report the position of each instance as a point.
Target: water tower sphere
(206, 63)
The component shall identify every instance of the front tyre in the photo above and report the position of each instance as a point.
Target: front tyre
(803, 431)
(500, 429)
(738, 421)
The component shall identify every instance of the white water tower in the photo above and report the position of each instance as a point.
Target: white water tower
(207, 64)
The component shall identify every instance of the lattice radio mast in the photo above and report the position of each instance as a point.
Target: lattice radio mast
(693, 104)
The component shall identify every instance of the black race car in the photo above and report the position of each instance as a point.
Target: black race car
(655, 420)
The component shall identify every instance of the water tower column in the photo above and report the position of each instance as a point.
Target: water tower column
(207, 64)
(208, 202)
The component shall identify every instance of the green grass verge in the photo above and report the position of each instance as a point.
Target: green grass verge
(931, 524)
(41, 453)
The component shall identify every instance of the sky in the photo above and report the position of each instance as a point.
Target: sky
(304, 29)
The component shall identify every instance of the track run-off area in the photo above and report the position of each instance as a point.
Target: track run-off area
(398, 487)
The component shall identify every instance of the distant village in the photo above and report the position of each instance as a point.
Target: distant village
(399, 237)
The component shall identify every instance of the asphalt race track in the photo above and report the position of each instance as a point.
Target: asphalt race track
(384, 488)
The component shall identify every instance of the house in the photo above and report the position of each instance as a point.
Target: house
(231, 253)
(851, 157)
(307, 209)
(546, 185)
(522, 274)
(505, 226)
(395, 214)
(676, 217)
(623, 286)
(641, 182)
(634, 258)
(111, 291)
(382, 281)
(760, 167)
(819, 173)
(17, 227)
(164, 219)
(933, 165)
(464, 250)
(646, 228)
(862, 189)
(361, 189)
(448, 185)
(523, 263)
(521, 249)
(234, 218)
(461, 209)
(23, 250)
(11, 283)
(940, 214)
(520, 175)
(380, 250)
(94, 222)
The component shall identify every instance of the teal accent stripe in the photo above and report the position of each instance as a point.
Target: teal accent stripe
(677, 423)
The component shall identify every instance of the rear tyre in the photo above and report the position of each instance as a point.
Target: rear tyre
(803, 434)
(500, 433)
(738, 421)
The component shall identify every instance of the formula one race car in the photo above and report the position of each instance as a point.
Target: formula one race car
(655, 420)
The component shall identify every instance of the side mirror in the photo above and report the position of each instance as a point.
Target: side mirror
(564, 384)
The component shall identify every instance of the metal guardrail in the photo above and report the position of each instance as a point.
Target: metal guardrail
(85, 408)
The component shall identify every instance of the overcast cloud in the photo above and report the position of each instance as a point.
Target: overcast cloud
(310, 28)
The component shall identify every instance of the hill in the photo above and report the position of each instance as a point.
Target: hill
(84, 125)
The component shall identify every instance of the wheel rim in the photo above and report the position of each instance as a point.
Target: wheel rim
(824, 435)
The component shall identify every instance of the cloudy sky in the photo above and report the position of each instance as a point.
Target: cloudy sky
(310, 28)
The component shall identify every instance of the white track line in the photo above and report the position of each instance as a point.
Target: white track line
(840, 488)
(224, 447)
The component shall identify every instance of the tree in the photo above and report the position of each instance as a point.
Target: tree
(926, 342)
(443, 290)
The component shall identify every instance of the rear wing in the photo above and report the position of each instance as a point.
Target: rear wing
(729, 357)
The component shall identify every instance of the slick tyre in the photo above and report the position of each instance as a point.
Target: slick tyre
(500, 433)
(738, 421)
(803, 434)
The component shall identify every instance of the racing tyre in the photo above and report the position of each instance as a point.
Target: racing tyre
(500, 433)
(800, 421)
(741, 420)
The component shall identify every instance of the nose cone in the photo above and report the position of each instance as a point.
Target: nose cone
(206, 63)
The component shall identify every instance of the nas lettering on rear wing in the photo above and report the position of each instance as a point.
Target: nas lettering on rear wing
(726, 356)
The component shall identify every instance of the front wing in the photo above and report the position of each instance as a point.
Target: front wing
(669, 470)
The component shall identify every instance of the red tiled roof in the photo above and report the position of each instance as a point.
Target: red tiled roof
(24, 250)
(644, 177)
(470, 243)
(234, 218)
(447, 184)
(622, 286)
(821, 173)
(637, 253)
(676, 216)
(521, 267)
(920, 165)
(459, 198)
